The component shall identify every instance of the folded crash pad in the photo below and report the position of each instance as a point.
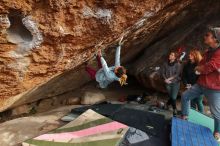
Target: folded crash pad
(185, 133)
(89, 129)
(201, 119)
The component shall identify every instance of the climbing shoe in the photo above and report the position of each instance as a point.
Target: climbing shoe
(175, 112)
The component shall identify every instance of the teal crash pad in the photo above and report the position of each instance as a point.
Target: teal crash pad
(201, 119)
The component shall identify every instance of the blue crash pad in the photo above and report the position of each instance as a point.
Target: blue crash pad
(185, 133)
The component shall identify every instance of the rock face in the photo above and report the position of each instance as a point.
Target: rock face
(41, 39)
(44, 43)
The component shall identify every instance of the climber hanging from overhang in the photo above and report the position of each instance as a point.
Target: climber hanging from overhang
(106, 75)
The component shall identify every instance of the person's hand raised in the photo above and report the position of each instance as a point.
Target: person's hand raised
(167, 81)
(99, 52)
(121, 42)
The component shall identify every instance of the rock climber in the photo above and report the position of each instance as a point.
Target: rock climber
(106, 75)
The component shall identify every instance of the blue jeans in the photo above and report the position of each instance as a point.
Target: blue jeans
(173, 90)
(213, 97)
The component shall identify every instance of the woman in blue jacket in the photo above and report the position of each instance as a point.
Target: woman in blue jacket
(106, 75)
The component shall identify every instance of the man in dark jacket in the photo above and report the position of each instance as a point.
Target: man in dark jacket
(209, 80)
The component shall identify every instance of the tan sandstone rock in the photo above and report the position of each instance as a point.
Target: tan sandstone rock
(23, 109)
(92, 98)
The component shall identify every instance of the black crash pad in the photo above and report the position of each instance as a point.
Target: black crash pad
(149, 122)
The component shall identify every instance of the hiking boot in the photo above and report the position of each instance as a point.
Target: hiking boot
(217, 137)
(167, 107)
(175, 112)
(141, 100)
(184, 117)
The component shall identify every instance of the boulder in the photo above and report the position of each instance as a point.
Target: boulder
(92, 98)
(73, 101)
(23, 109)
(44, 105)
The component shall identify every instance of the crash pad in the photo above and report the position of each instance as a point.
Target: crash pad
(149, 122)
(185, 133)
(89, 129)
(201, 119)
(104, 108)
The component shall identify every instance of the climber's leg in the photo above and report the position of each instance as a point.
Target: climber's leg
(98, 58)
(91, 72)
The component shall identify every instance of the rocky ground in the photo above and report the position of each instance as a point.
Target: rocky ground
(15, 131)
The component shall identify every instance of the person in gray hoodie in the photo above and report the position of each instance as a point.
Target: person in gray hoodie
(170, 72)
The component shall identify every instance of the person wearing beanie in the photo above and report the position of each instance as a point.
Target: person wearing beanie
(208, 82)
